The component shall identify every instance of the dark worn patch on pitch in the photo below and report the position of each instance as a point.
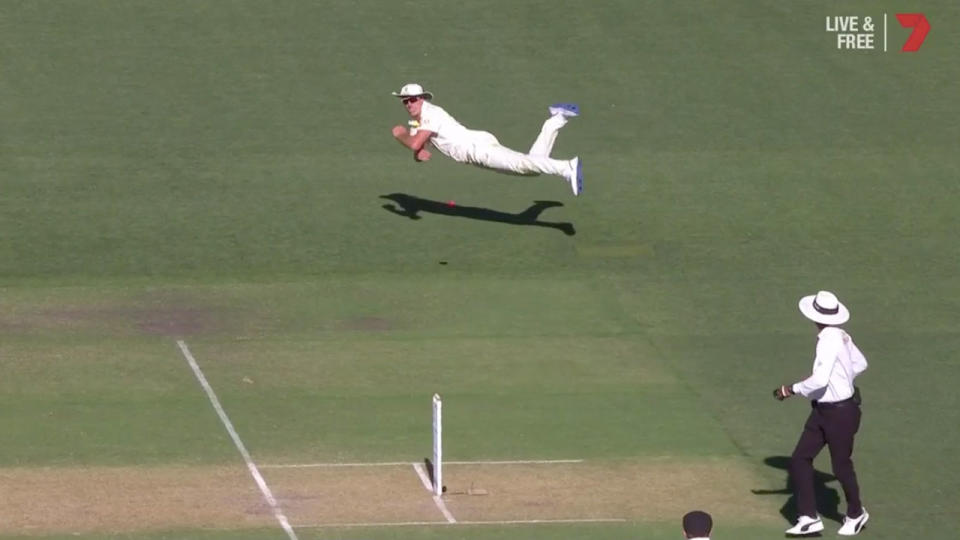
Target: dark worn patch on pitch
(168, 312)
(367, 324)
(157, 321)
(178, 321)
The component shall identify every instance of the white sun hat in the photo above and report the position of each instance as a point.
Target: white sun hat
(413, 90)
(824, 308)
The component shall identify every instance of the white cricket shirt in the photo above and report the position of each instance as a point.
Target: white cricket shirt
(837, 363)
(450, 137)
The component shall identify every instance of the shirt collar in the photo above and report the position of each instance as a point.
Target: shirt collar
(827, 330)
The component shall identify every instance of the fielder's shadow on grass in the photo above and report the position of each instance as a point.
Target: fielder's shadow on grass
(828, 500)
(410, 206)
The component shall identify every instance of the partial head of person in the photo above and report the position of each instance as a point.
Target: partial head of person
(824, 309)
(413, 95)
(697, 524)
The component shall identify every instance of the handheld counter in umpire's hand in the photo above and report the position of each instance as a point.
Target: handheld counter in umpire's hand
(782, 392)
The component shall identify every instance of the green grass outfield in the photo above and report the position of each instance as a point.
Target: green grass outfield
(215, 172)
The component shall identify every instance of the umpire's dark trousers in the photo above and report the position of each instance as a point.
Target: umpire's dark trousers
(834, 425)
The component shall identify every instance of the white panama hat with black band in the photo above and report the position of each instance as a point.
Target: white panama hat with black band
(824, 308)
(413, 90)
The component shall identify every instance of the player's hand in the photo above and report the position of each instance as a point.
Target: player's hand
(398, 131)
(783, 392)
(421, 155)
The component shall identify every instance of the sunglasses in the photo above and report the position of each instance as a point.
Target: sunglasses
(413, 99)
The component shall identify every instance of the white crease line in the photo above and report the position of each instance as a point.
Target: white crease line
(429, 523)
(437, 499)
(251, 466)
(332, 465)
(515, 462)
(536, 521)
(405, 463)
(376, 524)
(423, 477)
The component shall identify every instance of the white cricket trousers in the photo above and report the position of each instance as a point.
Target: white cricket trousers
(491, 154)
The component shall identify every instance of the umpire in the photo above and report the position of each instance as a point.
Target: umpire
(834, 417)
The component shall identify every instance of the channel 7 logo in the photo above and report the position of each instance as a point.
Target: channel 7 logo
(920, 27)
(864, 32)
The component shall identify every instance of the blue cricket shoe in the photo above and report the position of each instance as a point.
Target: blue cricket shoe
(576, 179)
(565, 109)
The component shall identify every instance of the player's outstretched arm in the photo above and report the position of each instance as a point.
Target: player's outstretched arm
(413, 142)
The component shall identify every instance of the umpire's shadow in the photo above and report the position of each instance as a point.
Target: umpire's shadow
(410, 206)
(828, 500)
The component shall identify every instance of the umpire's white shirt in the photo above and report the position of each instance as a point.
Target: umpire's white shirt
(838, 362)
(450, 137)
